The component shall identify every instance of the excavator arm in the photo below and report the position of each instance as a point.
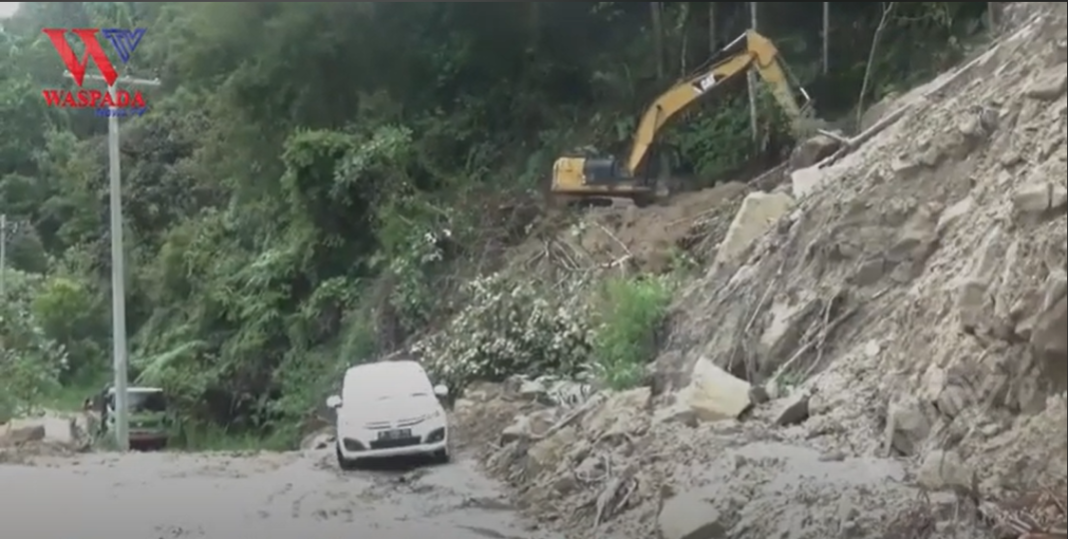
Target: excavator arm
(749, 50)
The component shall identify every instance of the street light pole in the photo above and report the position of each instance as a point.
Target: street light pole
(118, 265)
(3, 257)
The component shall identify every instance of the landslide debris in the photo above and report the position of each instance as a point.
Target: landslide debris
(883, 356)
(47, 435)
(649, 239)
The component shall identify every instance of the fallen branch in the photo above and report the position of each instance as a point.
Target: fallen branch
(888, 8)
(833, 325)
(866, 135)
(611, 493)
(615, 239)
(570, 418)
(833, 135)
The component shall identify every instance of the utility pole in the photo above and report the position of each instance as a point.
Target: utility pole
(118, 265)
(751, 80)
(826, 37)
(3, 257)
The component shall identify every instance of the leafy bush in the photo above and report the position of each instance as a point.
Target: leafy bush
(508, 328)
(69, 312)
(30, 362)
(627, 322)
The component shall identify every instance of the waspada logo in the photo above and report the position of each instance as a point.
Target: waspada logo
(124, 41)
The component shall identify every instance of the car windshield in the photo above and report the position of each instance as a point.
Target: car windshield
(384, 390)
(146, 401)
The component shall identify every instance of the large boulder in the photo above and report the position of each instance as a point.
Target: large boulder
(622, 414)
(13, 434)
(690, 516)
(812, 151)
(714, 394)
(1049, 85)
(759, 212)
(1049, 338)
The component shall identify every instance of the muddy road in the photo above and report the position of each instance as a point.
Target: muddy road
(223, 496)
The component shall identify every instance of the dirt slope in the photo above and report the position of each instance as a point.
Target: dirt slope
(684, 229)
(908, 314)
(926, 243)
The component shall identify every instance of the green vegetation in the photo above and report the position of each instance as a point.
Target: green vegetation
(318, 184)
(629, 320)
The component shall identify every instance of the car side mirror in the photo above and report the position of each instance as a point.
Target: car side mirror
(333, 402)
(441, 391)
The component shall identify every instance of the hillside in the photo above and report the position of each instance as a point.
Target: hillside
(296, 205)
(870, 346)
(888, 359)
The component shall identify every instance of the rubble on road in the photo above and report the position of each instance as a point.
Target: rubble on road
(51, 434)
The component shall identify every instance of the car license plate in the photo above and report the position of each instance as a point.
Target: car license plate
(395, 434)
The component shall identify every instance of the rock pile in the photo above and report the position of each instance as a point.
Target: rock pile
(23, 439)
(884, 354)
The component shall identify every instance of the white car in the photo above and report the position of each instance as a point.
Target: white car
(389, 409)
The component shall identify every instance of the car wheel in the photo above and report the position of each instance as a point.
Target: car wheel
(346, 465)
(442, 456)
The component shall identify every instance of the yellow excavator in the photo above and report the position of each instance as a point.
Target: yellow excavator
(601, 179)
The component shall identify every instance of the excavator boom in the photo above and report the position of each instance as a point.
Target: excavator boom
(750, 50)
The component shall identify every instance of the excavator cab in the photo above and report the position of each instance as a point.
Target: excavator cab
(601, 170)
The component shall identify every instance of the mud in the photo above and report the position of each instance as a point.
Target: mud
(268, 495)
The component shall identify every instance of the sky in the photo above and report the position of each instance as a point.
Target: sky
(7, 8)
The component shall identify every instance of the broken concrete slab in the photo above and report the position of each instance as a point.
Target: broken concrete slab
(943, 470)
(1058, 197)
(526, 427)
(714, 394)
(1055, 288)
(13, 434)
(57, 429)
(676, 413)
(812, 151)
(1036, 197)
(907, 427)
(549, 452)
(1049, 338)
(805, 181)
(688, 516)
(1049, 85)
(953, 214)
(793, 410)
(973, 303)
(621, 414)
(758, 213)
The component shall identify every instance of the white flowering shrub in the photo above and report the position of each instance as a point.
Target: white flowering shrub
(508, 328)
